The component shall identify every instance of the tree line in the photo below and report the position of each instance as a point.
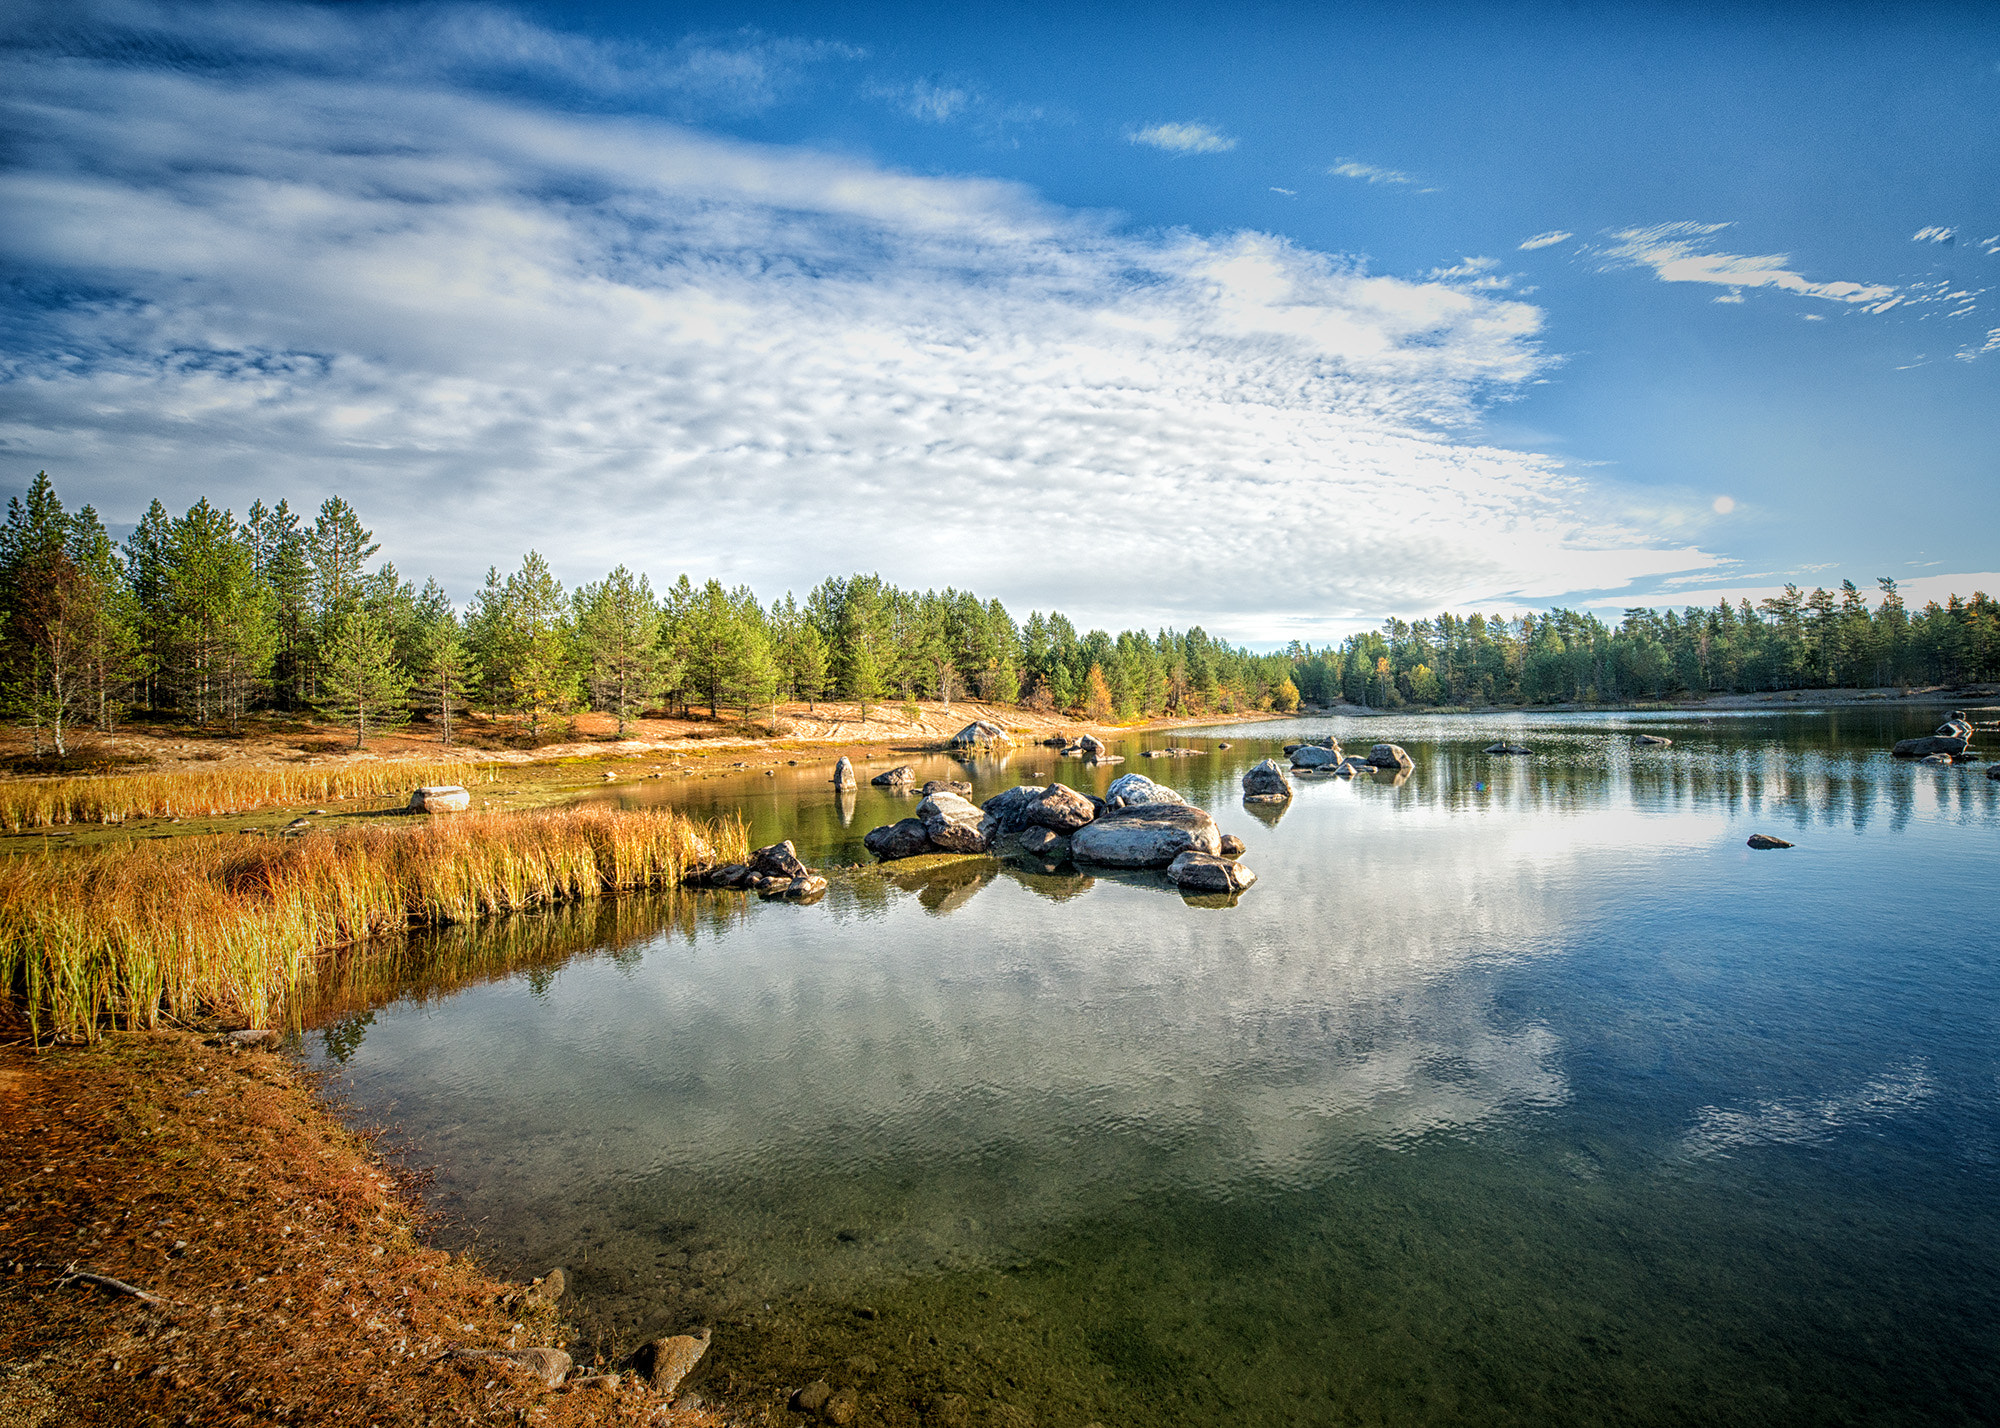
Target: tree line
(206, 617)
(1823, 639)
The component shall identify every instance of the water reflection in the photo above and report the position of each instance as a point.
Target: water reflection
(1487, 995)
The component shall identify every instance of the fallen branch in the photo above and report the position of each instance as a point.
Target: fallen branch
(73, 1275)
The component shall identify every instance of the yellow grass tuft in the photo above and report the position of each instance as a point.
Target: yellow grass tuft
(229, 925)
(113, 798)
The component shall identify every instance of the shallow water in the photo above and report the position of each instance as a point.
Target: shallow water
(1517, 1091)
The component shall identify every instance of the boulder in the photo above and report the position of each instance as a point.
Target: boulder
(1267, 783)
(1314, 756)
(1207, 873)
(978, 734)
(812, 1397)
(809, 888)
(551, 1366)
(1931, 744)
(668, 1362)
(1225, 745)
(952, 823)
(843, 774)
(1653, 739)
(1955, 728)
(898, 840)
(1145, 835)
(1944, 759)
(441, 798)
(1389, 756)
(1045, 843)
(1232, 846)
(1089, 745)
(1504, 748)
(1007, 812)
(1130, 789)
(1060, 809)
(1354, 764)
(946, 785)
(896, 777)
(779, 860)
(1765, 840)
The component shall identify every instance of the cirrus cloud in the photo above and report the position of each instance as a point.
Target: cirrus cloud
(495, 324)
(1182, 138)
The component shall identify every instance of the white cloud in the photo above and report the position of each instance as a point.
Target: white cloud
(1677, 253)
(1182, 138)
(1990, 246)
(1547, 240)
(927, 99)
(494, 326)
(1933, 235)
(1287, 192)
(1369, 173)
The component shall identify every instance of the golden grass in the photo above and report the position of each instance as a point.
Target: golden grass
(228, 926)
(113, 798)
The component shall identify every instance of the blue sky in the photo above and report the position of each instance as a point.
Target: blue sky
(1279, 320)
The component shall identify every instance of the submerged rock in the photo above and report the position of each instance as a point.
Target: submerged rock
(898, 840)
(441, 798)
(1389, 756)
(1945, 759)
(1145, 835)
(668, 1362)
(1232, 846)
(946, 785)
(895, 777)
(1653, 739)
(1266, 783)
(1208, 873)
(1504, 748)
(1765, 840)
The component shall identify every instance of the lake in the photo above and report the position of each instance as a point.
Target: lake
(1517, 1091)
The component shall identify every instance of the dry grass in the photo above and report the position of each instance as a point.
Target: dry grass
(292, 1279)
(227, 926)
(113, 798)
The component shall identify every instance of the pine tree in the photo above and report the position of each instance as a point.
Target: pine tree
(440, 659)
(65, 639)
(360, 681)
(216, 635)
(541, 678)
(618, 628)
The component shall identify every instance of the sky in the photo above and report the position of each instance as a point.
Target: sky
(1279, 320)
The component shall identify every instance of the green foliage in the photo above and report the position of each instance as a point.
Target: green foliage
(362, 682)
(618, 624)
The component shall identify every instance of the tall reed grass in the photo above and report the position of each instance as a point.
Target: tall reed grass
(228, 926)
(113, 798)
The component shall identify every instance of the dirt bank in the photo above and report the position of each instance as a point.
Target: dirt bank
(291, 1282)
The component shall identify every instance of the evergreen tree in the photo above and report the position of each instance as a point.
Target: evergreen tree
(541, 679)
(216, 635)
(618, 629)
(360, 680)
(440, 659)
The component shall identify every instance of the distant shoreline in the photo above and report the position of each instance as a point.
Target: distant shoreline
(1770, 702)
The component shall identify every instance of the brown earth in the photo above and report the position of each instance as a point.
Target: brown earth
(283, 741)
(292, 1282)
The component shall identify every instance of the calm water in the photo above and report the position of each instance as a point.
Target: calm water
(1516, 1092)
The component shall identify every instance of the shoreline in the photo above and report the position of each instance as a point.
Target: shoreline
(286, 1263)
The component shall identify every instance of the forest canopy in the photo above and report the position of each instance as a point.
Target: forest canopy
(207, 617)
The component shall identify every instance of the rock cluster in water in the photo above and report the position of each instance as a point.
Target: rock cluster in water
(1137, 824)
(775, 871)
(1951, 744)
